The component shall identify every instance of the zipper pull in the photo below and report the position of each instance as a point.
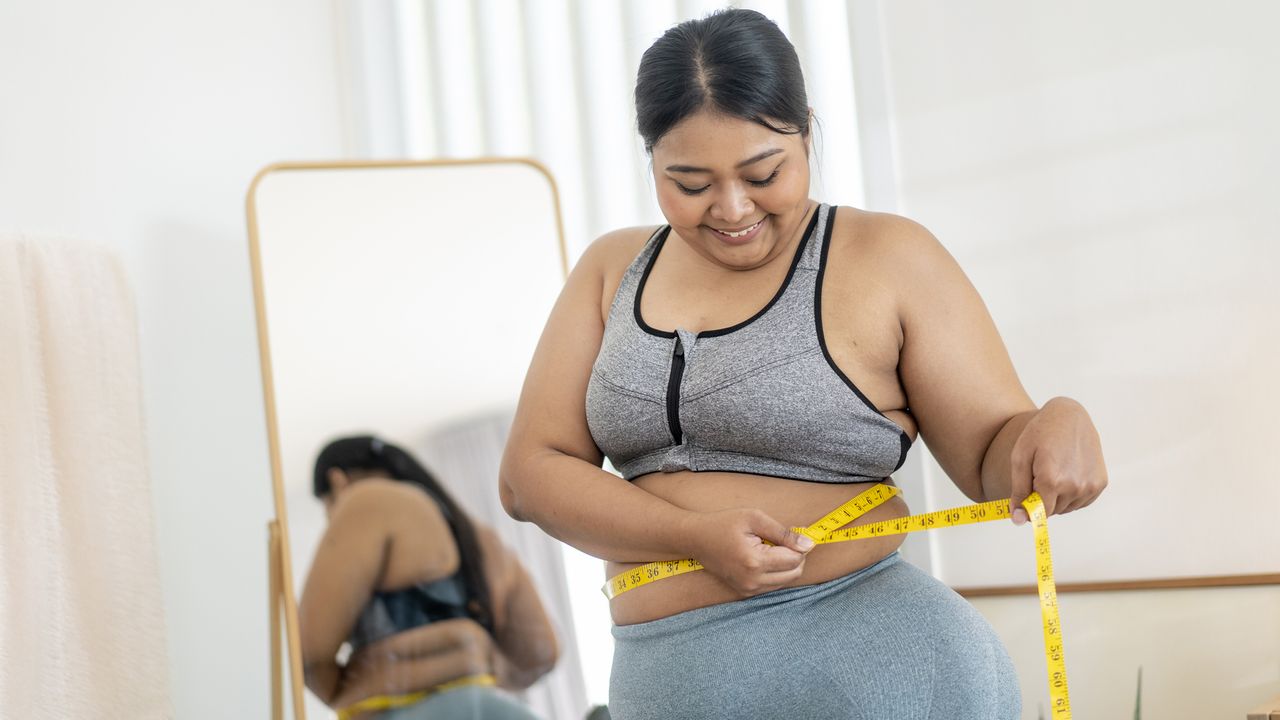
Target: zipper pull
(679, 347)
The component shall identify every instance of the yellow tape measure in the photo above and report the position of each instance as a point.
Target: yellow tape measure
(825, 531)
(386, 702)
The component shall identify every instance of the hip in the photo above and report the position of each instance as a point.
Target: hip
(887, 641)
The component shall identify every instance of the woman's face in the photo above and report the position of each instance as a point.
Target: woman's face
(717, 174)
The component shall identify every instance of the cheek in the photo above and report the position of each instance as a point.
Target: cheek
(790, 188)
(680, 209)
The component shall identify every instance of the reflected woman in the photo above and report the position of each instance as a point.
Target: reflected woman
(430, 609)
(749, 366)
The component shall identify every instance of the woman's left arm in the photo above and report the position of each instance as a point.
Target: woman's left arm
(970, 406)
(525, 645)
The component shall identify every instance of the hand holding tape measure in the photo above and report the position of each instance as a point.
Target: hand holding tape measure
(829, 529)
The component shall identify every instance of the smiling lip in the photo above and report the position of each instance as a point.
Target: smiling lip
(739, 239)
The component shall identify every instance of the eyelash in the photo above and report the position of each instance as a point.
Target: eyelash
(758, 183)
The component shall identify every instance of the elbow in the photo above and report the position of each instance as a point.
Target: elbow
(537, 663)
(527, 679)
(508, 500)
(321, 678)
(545, 655)
(549, 658)
(507, 494)
(510, 481)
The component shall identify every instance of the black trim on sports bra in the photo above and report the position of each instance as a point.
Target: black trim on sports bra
(795, 262)
(904, 438)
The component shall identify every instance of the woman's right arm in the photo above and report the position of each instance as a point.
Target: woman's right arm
(551, 472)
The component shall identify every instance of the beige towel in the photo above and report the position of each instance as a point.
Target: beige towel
(81, 621)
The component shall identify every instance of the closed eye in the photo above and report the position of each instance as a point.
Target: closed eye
(762, 183)
(757, 183)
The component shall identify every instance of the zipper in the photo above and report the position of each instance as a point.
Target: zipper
(673, 392)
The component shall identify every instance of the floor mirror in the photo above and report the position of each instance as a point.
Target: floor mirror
(401, 300)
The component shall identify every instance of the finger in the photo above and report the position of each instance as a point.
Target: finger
(780, 535)
(1020, 485)
(1069, 504)
(1080, 502)
(780, 559)
(1048, 494)
(776, 579)
(1067, 507)
(1049, 482)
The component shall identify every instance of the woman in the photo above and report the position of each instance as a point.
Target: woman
(435, 610)
(749, 367)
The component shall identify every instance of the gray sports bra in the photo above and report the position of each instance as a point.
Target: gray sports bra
(761, 397)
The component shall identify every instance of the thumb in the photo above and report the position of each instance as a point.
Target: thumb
(778, 534)
(799, 541)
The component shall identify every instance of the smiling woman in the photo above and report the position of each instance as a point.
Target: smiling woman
(758, 360)
(741, 213)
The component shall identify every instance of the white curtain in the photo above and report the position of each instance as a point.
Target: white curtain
(553, 80)
(81, 622)
(465, 456)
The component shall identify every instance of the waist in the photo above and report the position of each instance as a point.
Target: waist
(790, 502)
(379, 703)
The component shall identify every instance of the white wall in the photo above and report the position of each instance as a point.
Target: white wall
(1105, 173)
(138, 124)
(1204, 652)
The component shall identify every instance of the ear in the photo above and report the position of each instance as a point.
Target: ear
(338, 479)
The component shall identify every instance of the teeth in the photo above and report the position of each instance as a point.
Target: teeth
(740, 233)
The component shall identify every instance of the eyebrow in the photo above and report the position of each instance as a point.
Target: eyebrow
(754, 159)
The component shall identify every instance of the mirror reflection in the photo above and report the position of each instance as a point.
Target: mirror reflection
(438, 601)
(399, 334)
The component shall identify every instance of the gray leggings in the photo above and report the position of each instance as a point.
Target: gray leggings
(464, 703)
(886, 642)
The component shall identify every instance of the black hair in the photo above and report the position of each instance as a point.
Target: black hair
(734, 61)
(366, 452)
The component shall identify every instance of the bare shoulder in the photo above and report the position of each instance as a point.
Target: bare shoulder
(386, 503)
(611, 254)
(896, 244)
(893, 253)
(621, 245)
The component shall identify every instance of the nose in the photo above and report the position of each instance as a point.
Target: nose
(731, 205)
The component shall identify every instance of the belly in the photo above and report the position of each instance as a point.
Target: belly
(790, 502)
